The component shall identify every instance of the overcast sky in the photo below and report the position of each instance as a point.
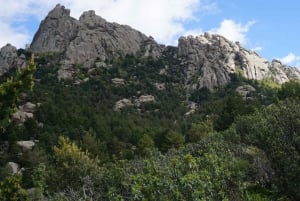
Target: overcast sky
(271, 28)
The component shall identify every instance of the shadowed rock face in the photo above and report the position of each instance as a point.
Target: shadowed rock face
(89, 38)
(212, 60)
(55, 31)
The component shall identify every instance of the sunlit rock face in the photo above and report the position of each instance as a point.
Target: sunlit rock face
(211, 60)
(91, 38)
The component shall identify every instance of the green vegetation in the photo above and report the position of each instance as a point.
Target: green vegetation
(270, 83)
(230, 148)
(11, 90)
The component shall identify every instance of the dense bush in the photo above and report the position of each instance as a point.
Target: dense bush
(228, 149)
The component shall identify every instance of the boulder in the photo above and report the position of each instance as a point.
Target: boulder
(23, 113)
(8, 58)
(144, 99)
(122, 103)
(20, 116)
(191, 107)
(245, 90)
(118, 81)
(13, 168)
(26, 145)
(28, 107)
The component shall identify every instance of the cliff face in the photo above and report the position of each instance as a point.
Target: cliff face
(55, 31)
(89, 39)
(211, 60)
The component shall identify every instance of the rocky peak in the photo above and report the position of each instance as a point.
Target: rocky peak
(211, 60)
(91, 20)
(59, 12)
(91, 37)
(90, 15)
(55, 31)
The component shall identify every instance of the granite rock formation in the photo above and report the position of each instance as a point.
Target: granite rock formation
(211, 61)
(89, 39)
(23, 113)
(9, 59)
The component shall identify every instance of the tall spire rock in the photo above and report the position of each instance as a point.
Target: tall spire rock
(55, 31)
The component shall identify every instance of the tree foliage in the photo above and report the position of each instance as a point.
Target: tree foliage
(72, 163)
(11, 90)
(230, 148)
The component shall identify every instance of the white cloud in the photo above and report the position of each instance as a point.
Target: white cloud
(234, 31)
(162, 19)
(291, 59)
(13, 36)
(21, 9)
(15, 13)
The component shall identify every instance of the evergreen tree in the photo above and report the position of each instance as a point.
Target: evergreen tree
(11, 90)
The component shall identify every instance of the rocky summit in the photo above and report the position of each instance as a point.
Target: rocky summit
(212, 60)
(89, 39)
(208, 60)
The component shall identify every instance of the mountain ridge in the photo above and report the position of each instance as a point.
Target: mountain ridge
(209, 60)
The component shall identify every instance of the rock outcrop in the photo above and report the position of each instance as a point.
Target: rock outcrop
(23, 113)
(137, 102)
(9, 59)
(212, 60)
(55, 31)
(13, 168)
(118, 81)
(245, 90)
(292, 72)
(144, 99)
(91, 38)
(26, 145)
(122, 103)
(209, 60)
(191, 107)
